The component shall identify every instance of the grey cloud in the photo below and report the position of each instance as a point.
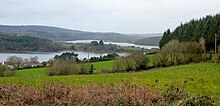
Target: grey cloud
(126, 16)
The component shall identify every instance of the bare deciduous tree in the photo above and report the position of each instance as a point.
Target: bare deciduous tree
(173, 49)
(15, 61)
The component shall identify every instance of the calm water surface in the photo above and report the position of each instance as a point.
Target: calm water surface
(116, 43)
(46, 56)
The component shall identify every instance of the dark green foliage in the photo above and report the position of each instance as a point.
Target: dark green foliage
(141, 61)
(67, 56)
(101, 43)
(111, 55)
(107, 57)
(44, 64)
(94, 43)
(111, 48)
(91, 69)
(25, 43)
(72, 47)
(94, 59)
(194, 30)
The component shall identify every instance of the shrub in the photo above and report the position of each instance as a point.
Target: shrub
(8, 73)
(126, 94)
(175, 53)
(133, 62)
(200, 100)
(124, 65)
(84, 68)
(91, 69)
(141, 61)
(105, 70)
(5, 72)
(118, 66)
(62, 67)
(2, 69)
(161, 60)
(173, 94)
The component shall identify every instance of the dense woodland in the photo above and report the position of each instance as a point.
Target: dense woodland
(205, 28)
(14, 43)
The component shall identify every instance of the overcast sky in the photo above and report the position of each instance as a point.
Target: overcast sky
(124, 16)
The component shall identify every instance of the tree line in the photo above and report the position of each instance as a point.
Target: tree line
(205, 28)
(100, 46)
(14, 63)
(68, 63)
(176, 53)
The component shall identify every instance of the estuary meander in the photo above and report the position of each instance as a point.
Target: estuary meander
(45, 56)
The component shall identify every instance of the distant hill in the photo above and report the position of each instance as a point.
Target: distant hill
(151, 41)
(61, 34)
(14, 43)
(193, 30)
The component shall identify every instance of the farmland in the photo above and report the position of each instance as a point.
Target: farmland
(40, 72)
(202, 78)
(35, 72)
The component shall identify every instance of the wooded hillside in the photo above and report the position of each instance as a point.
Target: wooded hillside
(205, 27)
(25, 43)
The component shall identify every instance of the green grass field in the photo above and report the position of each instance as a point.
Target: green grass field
(103, 65)
(35, 72)
(203, 78)
(39, 72)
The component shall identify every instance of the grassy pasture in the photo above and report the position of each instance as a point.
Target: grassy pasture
(40, 72)
(202, 78)
(103, 65)
(35, 72)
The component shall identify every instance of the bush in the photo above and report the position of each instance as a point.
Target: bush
(124, 65)
(200, 100)
(91, 69)
(133, 62)
(5, 72)
(127, 94)
(105, 70)
(141, 61)
(62, 67)
(9, 73)
(175, 53)
(173, 94)
(161, 60)
(84, 68)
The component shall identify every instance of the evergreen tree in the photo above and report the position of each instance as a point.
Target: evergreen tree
(194, 30)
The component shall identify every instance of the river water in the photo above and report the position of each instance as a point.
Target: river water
(116, 43)
(45, 56)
